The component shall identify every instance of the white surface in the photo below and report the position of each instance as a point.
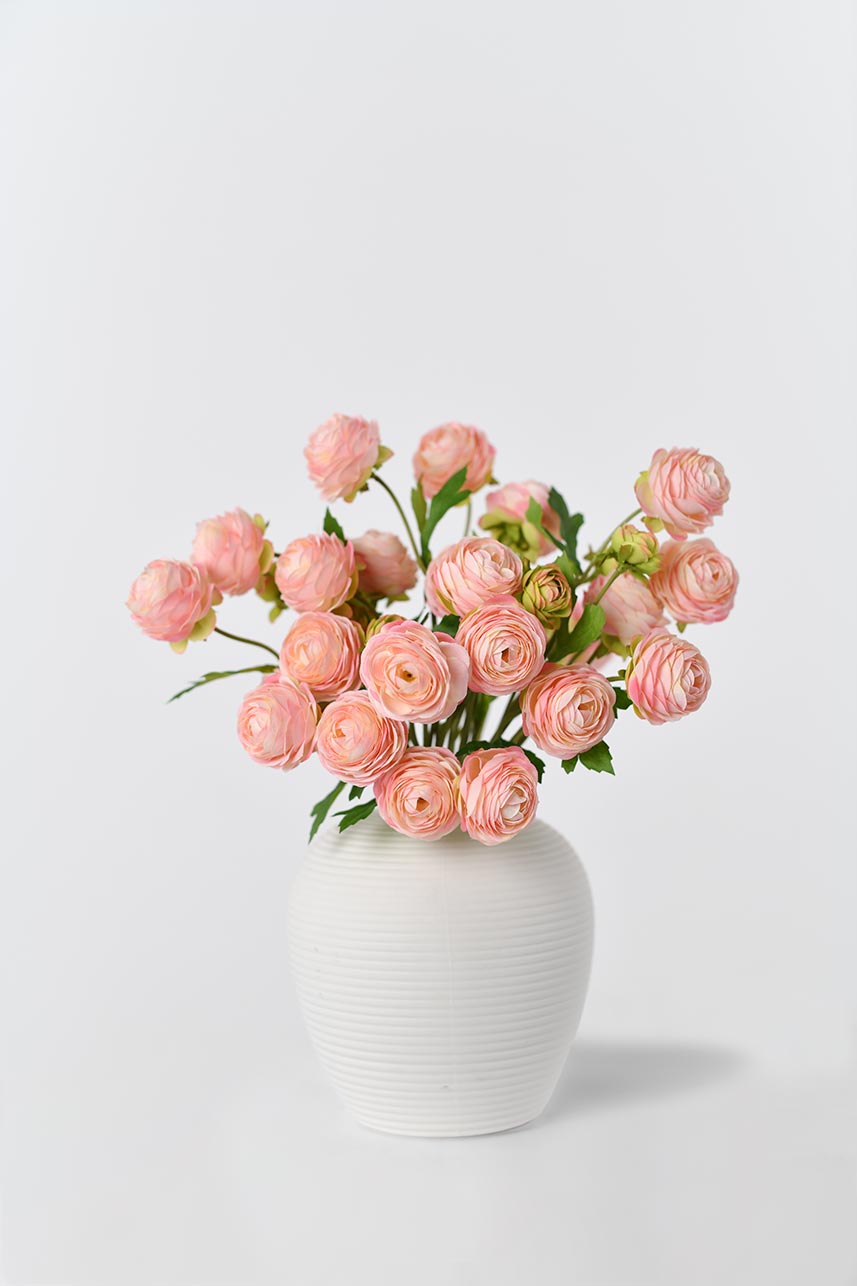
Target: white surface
(441, 982)
(593, 230)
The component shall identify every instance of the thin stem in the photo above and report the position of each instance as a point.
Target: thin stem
(238, 638)
(608, 583)
(469, 516)
(395, 499)
(513, 709)
(519, 738)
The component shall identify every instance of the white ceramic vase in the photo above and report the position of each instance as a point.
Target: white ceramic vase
(442, 983)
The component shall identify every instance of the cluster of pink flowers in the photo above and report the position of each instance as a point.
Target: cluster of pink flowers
(402, 704)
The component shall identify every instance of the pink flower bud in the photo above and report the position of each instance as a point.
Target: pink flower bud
(442, 452)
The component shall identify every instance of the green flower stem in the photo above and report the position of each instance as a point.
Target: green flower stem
(608, 583)
(468, 517)
(513, 709)
(519, 738)
(238, 638)
(395, 499)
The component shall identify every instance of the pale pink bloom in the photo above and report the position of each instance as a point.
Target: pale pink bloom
(568, 709)
(506, 646)
(341, 454)
(276, 722)
(412, 674)
(498, 793)
(355, 742)
(316, 573)
(169, 599)
(630, 607)
(685, 489)
(506, 512)
(696, 583)
(419, 795)
(229, 549)
(442, 452)
(323, 651)
(669, 677)
(469, 573)
(384, 566)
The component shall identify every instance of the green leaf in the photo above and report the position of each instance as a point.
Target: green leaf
(570, 569)
(569, 526)
(623, 701)
(448, 625)
(470, 746)
(222, 674)
(598, 759)
(418, 504)
(351, 816)
(452, 493)
(587, 629)
(535, 517)
(332, 527)
(538, 764)
(355, 792)
(569, 765)
(320, 810)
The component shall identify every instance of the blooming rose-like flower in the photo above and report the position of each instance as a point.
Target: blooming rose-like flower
(568, 709)
(630, 607)
(469, 573)
(684, 489)
(548, 595)
(506, 518)
(669, 677)
(497, 793)
(232, 551)
(316, 573)
(385, 567)
(277, 722)
(506, 646)
(341, 454)
(419, 794)
(322, 651)
(171, 601)
(696, 583)
(442, 452)
(355, 742)
(412, 674)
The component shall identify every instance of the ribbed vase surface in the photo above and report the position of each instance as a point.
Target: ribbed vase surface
(442, 983)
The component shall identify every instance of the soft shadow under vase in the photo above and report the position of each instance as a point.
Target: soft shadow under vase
(442, 983)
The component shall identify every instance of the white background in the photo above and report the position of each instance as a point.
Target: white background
(592, 229)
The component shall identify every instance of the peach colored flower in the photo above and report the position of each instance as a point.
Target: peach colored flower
(316, 573)
(568, 709)
(171, 601)
(506, 646)
(385, 567)
(323, 651)
(669, 677)
(419, 794)
(445, 450)
(412, 674)
(276, 722)
(355, 742)
(630, 607)
(469, 573)
(696, 583)
(506, 518)
(230, 550)
(684, 489)
(498, 793)
(341, 454)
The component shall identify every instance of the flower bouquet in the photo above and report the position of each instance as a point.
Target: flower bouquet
(431, 702)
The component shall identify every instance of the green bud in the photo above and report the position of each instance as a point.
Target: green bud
(516, 533)
(377, 624)
(634, 548)
(547, 594)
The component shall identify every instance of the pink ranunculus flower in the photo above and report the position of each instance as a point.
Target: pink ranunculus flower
(341, 454)
(277, 722)
(171, 601)
(684, 489)
(506, 518)
(231, 550)
(669, 677)
(497, 793)
(568, 709)
(323, 651)
(316, 573)
(696, 583)
(385, 567)
(412, 674)
(630, 607)
(467, 574)
(442, 452)
(419, 795)
(506, 646)
(355, 742)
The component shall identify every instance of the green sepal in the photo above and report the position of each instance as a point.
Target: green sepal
(448, 625)
(598, 759)
(569, 765)
(623, 701)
